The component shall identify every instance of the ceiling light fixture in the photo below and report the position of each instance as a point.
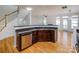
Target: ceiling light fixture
(29, 9)
(64, 7)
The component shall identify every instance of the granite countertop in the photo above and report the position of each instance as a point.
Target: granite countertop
(33, 26)
(30, 28)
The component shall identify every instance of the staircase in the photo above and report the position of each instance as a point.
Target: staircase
(21, 14)
(4, 20)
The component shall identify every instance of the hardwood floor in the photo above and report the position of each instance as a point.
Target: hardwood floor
(6, 45)
(63, 45)
(45, 47)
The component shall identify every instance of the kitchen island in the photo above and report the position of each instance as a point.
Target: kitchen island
(30, 34)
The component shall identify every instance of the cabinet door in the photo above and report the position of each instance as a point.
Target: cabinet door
(44, 35)
(26, 41)
(34, 36)
(53, 35)
(18, 42)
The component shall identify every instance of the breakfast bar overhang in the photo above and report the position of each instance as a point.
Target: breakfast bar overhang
(29, 34)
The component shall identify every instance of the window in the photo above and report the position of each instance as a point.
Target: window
(58, 21)
(74, 21)
(45, 22)
(65, 23)
(65, 18)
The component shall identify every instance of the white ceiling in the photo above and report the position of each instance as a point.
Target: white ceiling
(5, 9)
(52, 9)
(39, 10)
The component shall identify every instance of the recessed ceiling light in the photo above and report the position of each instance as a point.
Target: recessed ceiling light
(28, 8)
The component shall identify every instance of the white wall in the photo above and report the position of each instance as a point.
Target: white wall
(9, 30)
(39, 20)
(26, 20)
(51, 20)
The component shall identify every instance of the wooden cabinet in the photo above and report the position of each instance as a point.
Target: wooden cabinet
(26, 37)
(34, 37)
(43, 35)
(23, 41)
(52, 35)
(18, 42)
(26, 41)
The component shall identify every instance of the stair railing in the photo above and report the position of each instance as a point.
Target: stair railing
(5, 20)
